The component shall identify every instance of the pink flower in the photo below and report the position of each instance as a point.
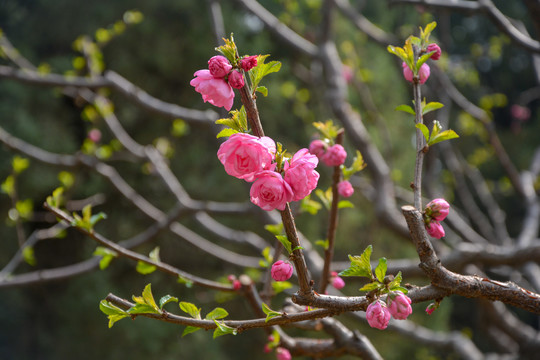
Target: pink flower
(345, 188)
(245, 155)
(219, 66)
(237, 285)
(423, 73)
(248, 62)
(281, 270)
(431, 308)
(94, 135)
(216, 91)
(236, 79)
(267, 348)
(337, 282)
(347, 73)
(399, 305)
(301, 174)
(438, 209)
(520, 112)
(435, 229)
(317, 148)
(334, 156)
(283, 354)
(270, 191)
(378, 315)
(434, 47)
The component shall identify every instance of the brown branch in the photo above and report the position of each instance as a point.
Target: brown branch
(420, 140)
(467, 286)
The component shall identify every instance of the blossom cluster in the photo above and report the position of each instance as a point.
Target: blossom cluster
(333, 155)
(424, 71)
(436, 211)
(216, 84)
(251, 158)
(398, 306)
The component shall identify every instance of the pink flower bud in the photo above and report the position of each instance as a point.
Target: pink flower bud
(236, 79)
(345, 188)
(347, 73)
(431, 308)
(399, 305)
(248, 62)
(338, 282)
(271, 338)
(219, 66)
(94, 135)
(216, 91)
(333, 273)
(231, 278)
(267, 348)
(434, 47)
(281, 270)
(435, 229)
(423, 73)
(378, 315)
(317, 148)
(335, 155)
(438, 209)
(283, 354)
(237, 285)
(519, 112)
(301, 174)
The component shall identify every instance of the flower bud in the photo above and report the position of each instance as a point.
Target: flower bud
(438, 209)
(431, 308)
(94, 135)
(435, 229)
(283, 354)
(399, 305)
(434, 47)
(345, 188)
(337, 282)
(281, 270)
(267, 348)
(317, 148)
(219, 66)
(236, 79)
(248, 62)
(423, 73)
(237, 285)
(378, 315)
(335, 155)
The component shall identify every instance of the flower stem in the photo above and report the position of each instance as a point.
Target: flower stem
(420, 141)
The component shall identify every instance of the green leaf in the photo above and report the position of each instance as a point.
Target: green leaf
(145, 268)
(115, 318)
(279, 286)
(437, 127)
(269, 312)
(226, 133)
(275, 229)
(24, 208)
(423, 59)
(183, 280)
(325, 196)
(97, 217)
(109, 309)
(56, 198)
(66, 178)
(324, 243)
(286, 243)
(310, 206)
(445, 135)
(431, 107)
(261, 70)
(191, 309)
(8, 186)
(167, 299)
(223, 329)
(143, 309)
(345, 204)
(263, 90)
(29, 256)
(370, 286)
(360, 265)
(19, 164)
(405, 108)
(399, 288)
(424, 130)
(217, 313)
(87, 213)
(189, 330)
(148, 297)
(380, 270)
(106, 256)
(396, 282)
(229, 50)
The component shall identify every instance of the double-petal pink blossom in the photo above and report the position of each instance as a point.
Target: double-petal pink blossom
(283, 354)
(248, 62)
(434, 47)
(345, 188)
(378, 315)
(301, 174)
(244, 155)
(236, 79)
(216, 91)
(399, 305)
(281, 270)
(335, 155)
(270, 191)
(438, 209)
(219, 66)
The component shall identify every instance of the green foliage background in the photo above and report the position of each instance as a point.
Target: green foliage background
(62, 320)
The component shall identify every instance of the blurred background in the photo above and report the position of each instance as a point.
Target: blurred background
(158, 45)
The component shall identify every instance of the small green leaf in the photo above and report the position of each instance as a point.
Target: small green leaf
(370, 286)
(275, 229)
(437, 127)
(109, 309)
(360, 265)
(191, 309)
(279, 286)
(423, 59)
(261, 70)
(269, 312)
(189, 330)
(324, 243)
(226, 133)
(380, 270)
(286, 243)
(431, 107)
(396, 282)
(87, 213)
(19, 164)
(182, 280)
(405, 108)
(115, 318)
(310, 206)
(217, 313)
(345, 204)
(143, 309)
(8, 186)
(263, 90)
(145, 268)
(166, 299)
(223, 329)
(400, 288)
(148, 297)
(106, 256)
(445, 135)
(97, 217)
(29, 256)
(424, 130)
